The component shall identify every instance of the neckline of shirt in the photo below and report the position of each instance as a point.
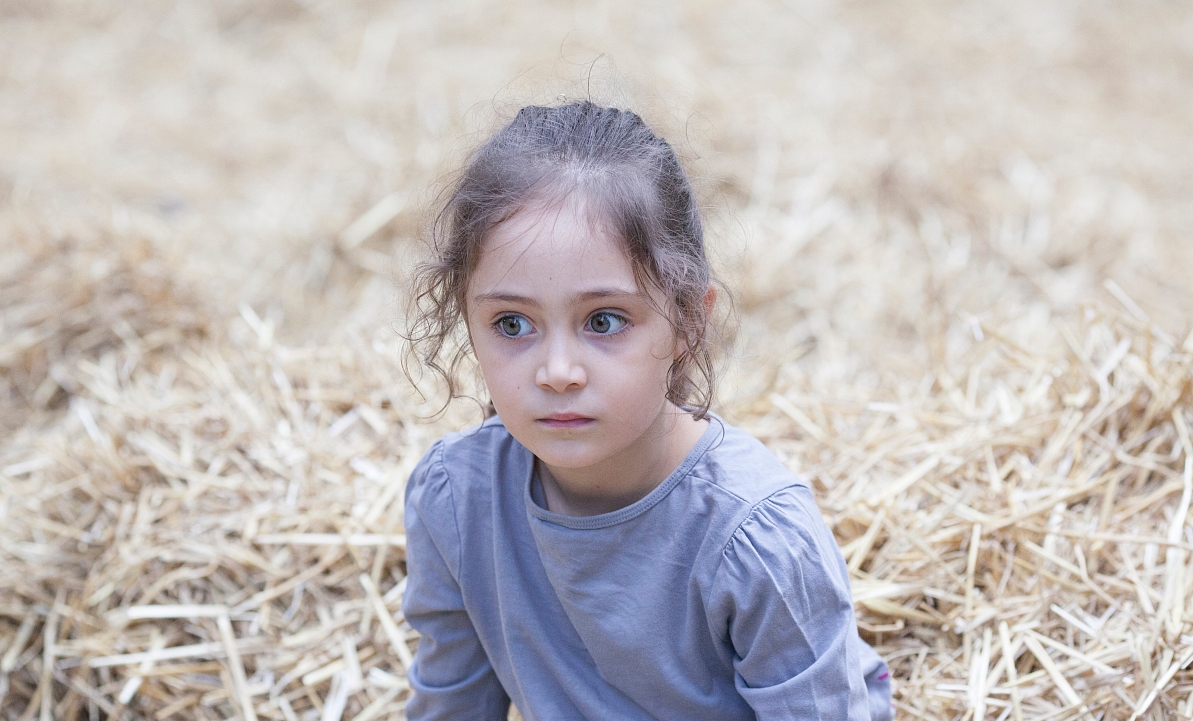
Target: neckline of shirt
(603, 520)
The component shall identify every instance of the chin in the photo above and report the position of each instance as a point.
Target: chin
(553, 455)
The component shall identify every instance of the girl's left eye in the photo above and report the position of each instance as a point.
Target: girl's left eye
(606, 323)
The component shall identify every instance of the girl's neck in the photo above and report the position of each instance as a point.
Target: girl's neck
(627, 477)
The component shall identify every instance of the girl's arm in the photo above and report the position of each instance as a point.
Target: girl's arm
(782, 598)
(451, 676)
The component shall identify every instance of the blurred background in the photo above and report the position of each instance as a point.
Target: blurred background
(927, 212)
(875, 172)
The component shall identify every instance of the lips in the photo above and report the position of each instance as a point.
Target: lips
(566, 420)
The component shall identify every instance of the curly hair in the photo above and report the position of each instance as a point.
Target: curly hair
(627, 175)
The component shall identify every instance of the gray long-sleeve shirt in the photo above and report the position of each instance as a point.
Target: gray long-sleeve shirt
(720, 595)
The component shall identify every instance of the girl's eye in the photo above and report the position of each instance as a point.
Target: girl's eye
(606, 323)
(512, 326)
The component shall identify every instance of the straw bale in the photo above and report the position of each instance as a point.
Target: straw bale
(240, 537)
(958, 239)
(219, 538)
(1063, 528)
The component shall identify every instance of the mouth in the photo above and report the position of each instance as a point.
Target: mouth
(566, 420)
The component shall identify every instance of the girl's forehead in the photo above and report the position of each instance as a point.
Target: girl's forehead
(557, 251)
(572, 227)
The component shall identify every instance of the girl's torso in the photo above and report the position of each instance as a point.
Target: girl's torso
(667, 608)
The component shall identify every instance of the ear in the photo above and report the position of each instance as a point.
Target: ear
(710, 299)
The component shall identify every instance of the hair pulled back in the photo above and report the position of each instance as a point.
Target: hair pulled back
(627, 178)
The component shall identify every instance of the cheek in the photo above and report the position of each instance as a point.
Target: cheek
(495, 370)
(490, 365)
(642, 379)
(663, 353)
(505, 375)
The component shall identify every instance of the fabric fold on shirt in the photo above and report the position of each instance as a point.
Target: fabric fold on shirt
(721, 594)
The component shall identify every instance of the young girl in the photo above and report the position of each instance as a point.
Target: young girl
(604, 547)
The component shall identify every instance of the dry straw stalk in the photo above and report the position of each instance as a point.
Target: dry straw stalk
(200, 503)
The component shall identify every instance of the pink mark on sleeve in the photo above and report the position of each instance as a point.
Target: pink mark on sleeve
(885, 675)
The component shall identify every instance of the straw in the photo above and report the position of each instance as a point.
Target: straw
(956, 238)
(241, 692)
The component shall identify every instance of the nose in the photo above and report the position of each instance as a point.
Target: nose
(561, 370)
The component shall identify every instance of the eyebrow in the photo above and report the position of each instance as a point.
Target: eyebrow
(595, 294)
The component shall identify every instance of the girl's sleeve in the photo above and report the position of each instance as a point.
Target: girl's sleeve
(781, 596)
(451, 677)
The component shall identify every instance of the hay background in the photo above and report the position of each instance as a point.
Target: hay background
(918, 204)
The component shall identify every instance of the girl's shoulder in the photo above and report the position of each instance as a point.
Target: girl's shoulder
(483, 439)
(473, 456)
(739, 464)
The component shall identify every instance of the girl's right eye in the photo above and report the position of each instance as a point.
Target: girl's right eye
(513, 326)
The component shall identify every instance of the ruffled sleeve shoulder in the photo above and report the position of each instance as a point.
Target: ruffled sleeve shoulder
(781, 598)
(430, 514)
(451, 677)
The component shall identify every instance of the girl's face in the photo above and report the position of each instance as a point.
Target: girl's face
(574, 354)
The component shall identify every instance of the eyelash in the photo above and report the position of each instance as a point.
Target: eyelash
(502, 334)
(625, 323)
